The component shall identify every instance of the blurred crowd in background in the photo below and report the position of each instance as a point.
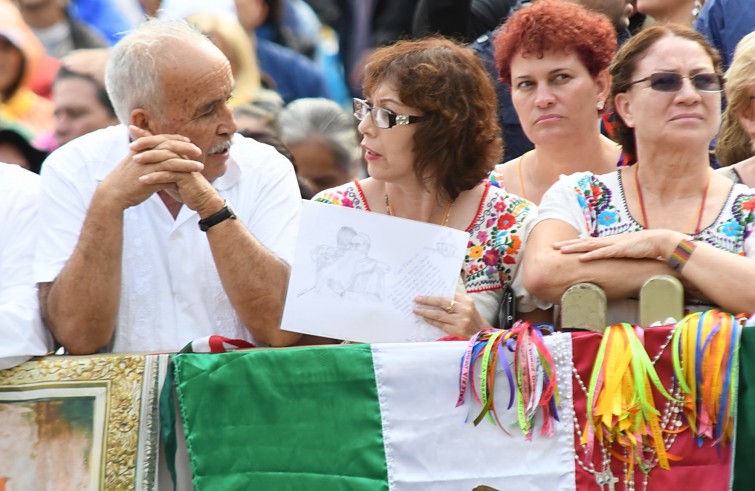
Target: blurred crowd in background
(53, 54)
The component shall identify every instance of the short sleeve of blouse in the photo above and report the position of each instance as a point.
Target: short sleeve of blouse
(569, 200)
(348, 195)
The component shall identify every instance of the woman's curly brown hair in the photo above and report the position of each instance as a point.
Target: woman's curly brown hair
(559, 26)
(624, 67)
(459, 143)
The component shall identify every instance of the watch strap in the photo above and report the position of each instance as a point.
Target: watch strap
(223, 214)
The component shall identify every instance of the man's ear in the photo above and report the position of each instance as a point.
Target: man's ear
(624, 109)
(142, 119)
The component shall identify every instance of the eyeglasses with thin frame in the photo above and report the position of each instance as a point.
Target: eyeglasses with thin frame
(672, 82)
(383, 118)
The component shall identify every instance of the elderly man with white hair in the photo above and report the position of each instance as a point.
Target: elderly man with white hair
(168, 227)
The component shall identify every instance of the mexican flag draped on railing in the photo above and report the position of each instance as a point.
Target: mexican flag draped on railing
(385, 416)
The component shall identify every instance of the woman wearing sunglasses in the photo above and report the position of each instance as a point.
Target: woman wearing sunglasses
(559, 84)
(668, 214)
(430, 138)
(736, 142)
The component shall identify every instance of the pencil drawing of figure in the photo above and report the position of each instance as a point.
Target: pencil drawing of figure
(346, 269)
(326, 259)
(368, 275)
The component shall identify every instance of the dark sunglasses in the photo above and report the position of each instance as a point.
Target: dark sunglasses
(672, 82)
(383, 118)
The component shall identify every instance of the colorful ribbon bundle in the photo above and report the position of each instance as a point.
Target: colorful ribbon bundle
(532, 384)
(620, 404)
(705, 347)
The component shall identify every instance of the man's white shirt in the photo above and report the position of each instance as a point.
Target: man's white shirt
(171, 292)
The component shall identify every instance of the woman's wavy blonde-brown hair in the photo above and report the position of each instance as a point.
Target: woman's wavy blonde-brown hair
(460, 141)
(734, 143)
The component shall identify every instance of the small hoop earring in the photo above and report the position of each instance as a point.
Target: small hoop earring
(601, 105)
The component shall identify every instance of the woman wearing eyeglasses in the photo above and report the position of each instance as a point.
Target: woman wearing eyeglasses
(430, 137)
(736, 142)
(559, 84)
(669, 213)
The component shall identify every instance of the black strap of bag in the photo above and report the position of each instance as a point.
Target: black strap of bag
(507, 310)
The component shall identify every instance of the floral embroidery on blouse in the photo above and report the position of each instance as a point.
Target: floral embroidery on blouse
(602, 201)
(595, 199)
(495, 234)
(496, 179)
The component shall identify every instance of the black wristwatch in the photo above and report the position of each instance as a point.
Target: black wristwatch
(225, 213)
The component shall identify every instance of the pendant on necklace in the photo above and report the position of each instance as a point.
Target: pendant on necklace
(606, 478)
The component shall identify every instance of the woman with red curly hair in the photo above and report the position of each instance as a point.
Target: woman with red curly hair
(555, 57)
(430, 138)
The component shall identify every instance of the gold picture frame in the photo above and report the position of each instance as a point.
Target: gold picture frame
(91, 421)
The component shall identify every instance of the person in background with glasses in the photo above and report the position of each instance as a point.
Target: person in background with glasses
(736, 141)
(430, 137)
(559, 84)
(670, 213)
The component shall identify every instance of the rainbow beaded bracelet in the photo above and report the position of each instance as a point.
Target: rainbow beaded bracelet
(681, 254)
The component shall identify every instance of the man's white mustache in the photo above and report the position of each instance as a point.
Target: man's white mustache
(226, 145)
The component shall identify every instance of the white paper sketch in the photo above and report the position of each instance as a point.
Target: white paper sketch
(347, 270)
(356, 274)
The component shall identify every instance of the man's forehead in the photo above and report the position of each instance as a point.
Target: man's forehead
(193, 91)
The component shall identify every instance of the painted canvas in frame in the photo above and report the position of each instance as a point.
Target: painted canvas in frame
(83, 423)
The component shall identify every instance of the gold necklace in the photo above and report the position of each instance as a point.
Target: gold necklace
(519, 174)
(443, 221)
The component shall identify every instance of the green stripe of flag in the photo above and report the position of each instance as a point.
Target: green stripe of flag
(744, 452)
(291, 449)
